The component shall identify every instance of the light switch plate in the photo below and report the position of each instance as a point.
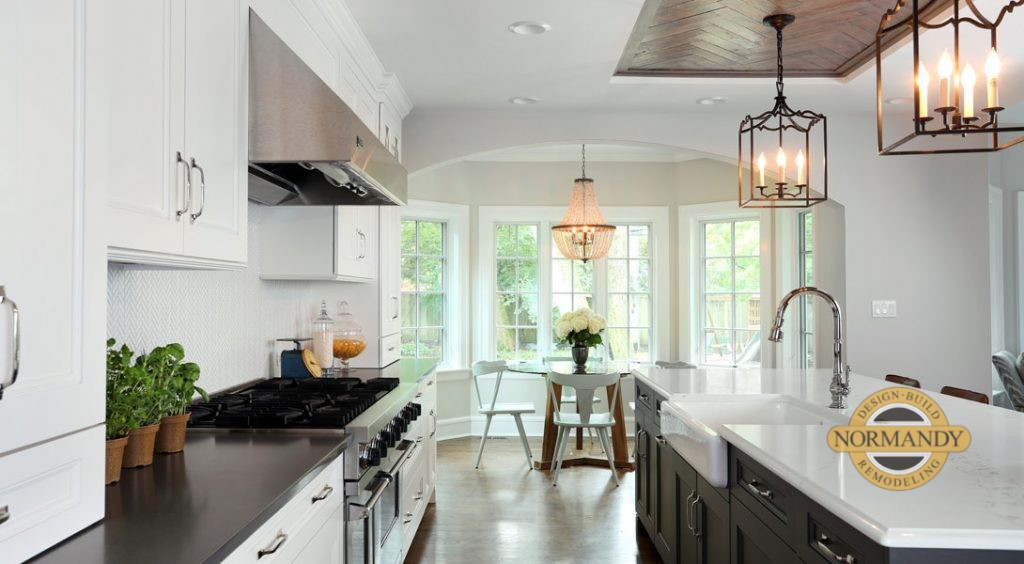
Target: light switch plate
(883, 308)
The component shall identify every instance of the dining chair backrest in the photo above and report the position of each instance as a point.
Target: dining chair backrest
(483, 368)
(674, 364)
(585, 386)
(965, 394)
(897, 379)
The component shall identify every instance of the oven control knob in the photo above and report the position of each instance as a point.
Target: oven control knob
(401, 423)
(371, 457)
(410, 413)
(384, 441)
(417, 409)
(389, 435)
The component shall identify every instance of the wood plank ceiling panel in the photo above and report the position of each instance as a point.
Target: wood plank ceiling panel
(830, 38)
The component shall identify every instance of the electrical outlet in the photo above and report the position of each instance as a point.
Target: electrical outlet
(883, 308)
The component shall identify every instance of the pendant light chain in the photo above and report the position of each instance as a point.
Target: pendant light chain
(583, 161)
(778, 50)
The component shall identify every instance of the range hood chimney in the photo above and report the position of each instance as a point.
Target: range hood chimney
(306, 146)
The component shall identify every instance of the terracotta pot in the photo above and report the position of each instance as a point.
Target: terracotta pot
(140, 446)
(171, 437)
(115, 456)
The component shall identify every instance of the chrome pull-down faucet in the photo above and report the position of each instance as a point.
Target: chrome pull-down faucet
(840, 386)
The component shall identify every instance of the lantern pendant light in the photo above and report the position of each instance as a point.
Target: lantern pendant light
(796, 132)
(957, 113)
(583, 233)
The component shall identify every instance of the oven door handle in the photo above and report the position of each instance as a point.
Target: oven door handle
(363, 511)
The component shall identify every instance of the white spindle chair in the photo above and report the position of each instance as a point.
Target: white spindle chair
(584, 417)
(516, 410)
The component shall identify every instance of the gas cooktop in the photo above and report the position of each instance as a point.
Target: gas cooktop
(285, 403)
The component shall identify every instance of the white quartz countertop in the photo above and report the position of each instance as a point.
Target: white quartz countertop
(975, 502)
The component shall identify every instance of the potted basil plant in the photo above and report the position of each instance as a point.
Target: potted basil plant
(178, 380)
(119, 410)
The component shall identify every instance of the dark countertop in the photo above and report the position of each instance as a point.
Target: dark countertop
(210, 498)
(190, 505)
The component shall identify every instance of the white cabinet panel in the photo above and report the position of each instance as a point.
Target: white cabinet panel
(166, 86)
(356, 242)
(216, 122)
(390, 270)
(50, 222)
(51, 492)
(133, 137)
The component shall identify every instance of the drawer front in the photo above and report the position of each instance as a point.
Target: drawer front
(645, 398)
(752, 542)
(829, 539)
(49, 492)
(390, 349)
(768, 496)
(292, 527)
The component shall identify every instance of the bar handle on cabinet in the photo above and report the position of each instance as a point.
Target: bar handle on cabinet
(5, 514)
(823, 541)
(661, 440)
(273, 546)
(758, 489)
(15, 343)
(188, 185)
(689, 504)
(202, 191)
(397, 309)
(324, 494)
(697, 530)
(362, 242)
(408, 519)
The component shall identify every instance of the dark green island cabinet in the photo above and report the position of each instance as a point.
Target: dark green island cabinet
(759, 519)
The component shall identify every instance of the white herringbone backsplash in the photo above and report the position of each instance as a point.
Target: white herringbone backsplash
(227, 321)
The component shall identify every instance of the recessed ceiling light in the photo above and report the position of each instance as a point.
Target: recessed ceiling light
(897, 101)
(529, 28)
(523, 100)
(711, 101)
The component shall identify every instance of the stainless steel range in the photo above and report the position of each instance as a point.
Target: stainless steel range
(380, 415)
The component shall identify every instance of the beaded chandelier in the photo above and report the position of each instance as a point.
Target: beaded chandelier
(583, 233)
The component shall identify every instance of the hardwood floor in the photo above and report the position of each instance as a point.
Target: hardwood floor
(505, 512)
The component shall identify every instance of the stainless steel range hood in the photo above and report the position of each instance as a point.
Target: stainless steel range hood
(306, 146)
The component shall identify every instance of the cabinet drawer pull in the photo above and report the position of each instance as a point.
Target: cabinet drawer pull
(397, 309)
(823, 541)
(202, 191)
(689, 505)
(430, 382)
(188, 185)
(5, 514)
(273, 546)
(758, 489)
(417, 497)
(661, 440)
(645, 397)
(408, 519)
(15, 360)
(391, 348)
(324, 494)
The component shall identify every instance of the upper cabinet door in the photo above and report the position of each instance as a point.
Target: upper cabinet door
(134, 101)
(52, 266)
(355, 247)
(216, 127)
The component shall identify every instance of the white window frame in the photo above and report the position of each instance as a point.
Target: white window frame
(691, 218)
(806, 305)
(547, 216)
(457, 267)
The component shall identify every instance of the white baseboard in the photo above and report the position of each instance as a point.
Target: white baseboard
(501, 426)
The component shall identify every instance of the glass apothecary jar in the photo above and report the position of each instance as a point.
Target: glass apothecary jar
(349, 340)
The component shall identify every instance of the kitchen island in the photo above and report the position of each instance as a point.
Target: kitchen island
(789, 495)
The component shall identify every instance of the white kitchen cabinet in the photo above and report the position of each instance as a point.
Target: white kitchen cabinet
(320, 243)
(420, 474)
(390, 271)
(166, 105)
(357, 238)
(53, 270)
(310, 524)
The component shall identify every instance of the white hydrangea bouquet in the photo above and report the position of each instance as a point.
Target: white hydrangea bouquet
(580, 327)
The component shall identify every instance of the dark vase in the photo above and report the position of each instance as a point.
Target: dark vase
(580, 352)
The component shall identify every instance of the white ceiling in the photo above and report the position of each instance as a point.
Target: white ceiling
(596, 152)
(458, 54)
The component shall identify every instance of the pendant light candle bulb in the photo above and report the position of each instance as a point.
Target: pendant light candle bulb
(761, 163)
(922, 91)
(967, 79)
(992, 68)
(780, 160)
(800, 162)
(945, 74)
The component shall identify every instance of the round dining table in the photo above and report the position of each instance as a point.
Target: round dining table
(620, 449)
